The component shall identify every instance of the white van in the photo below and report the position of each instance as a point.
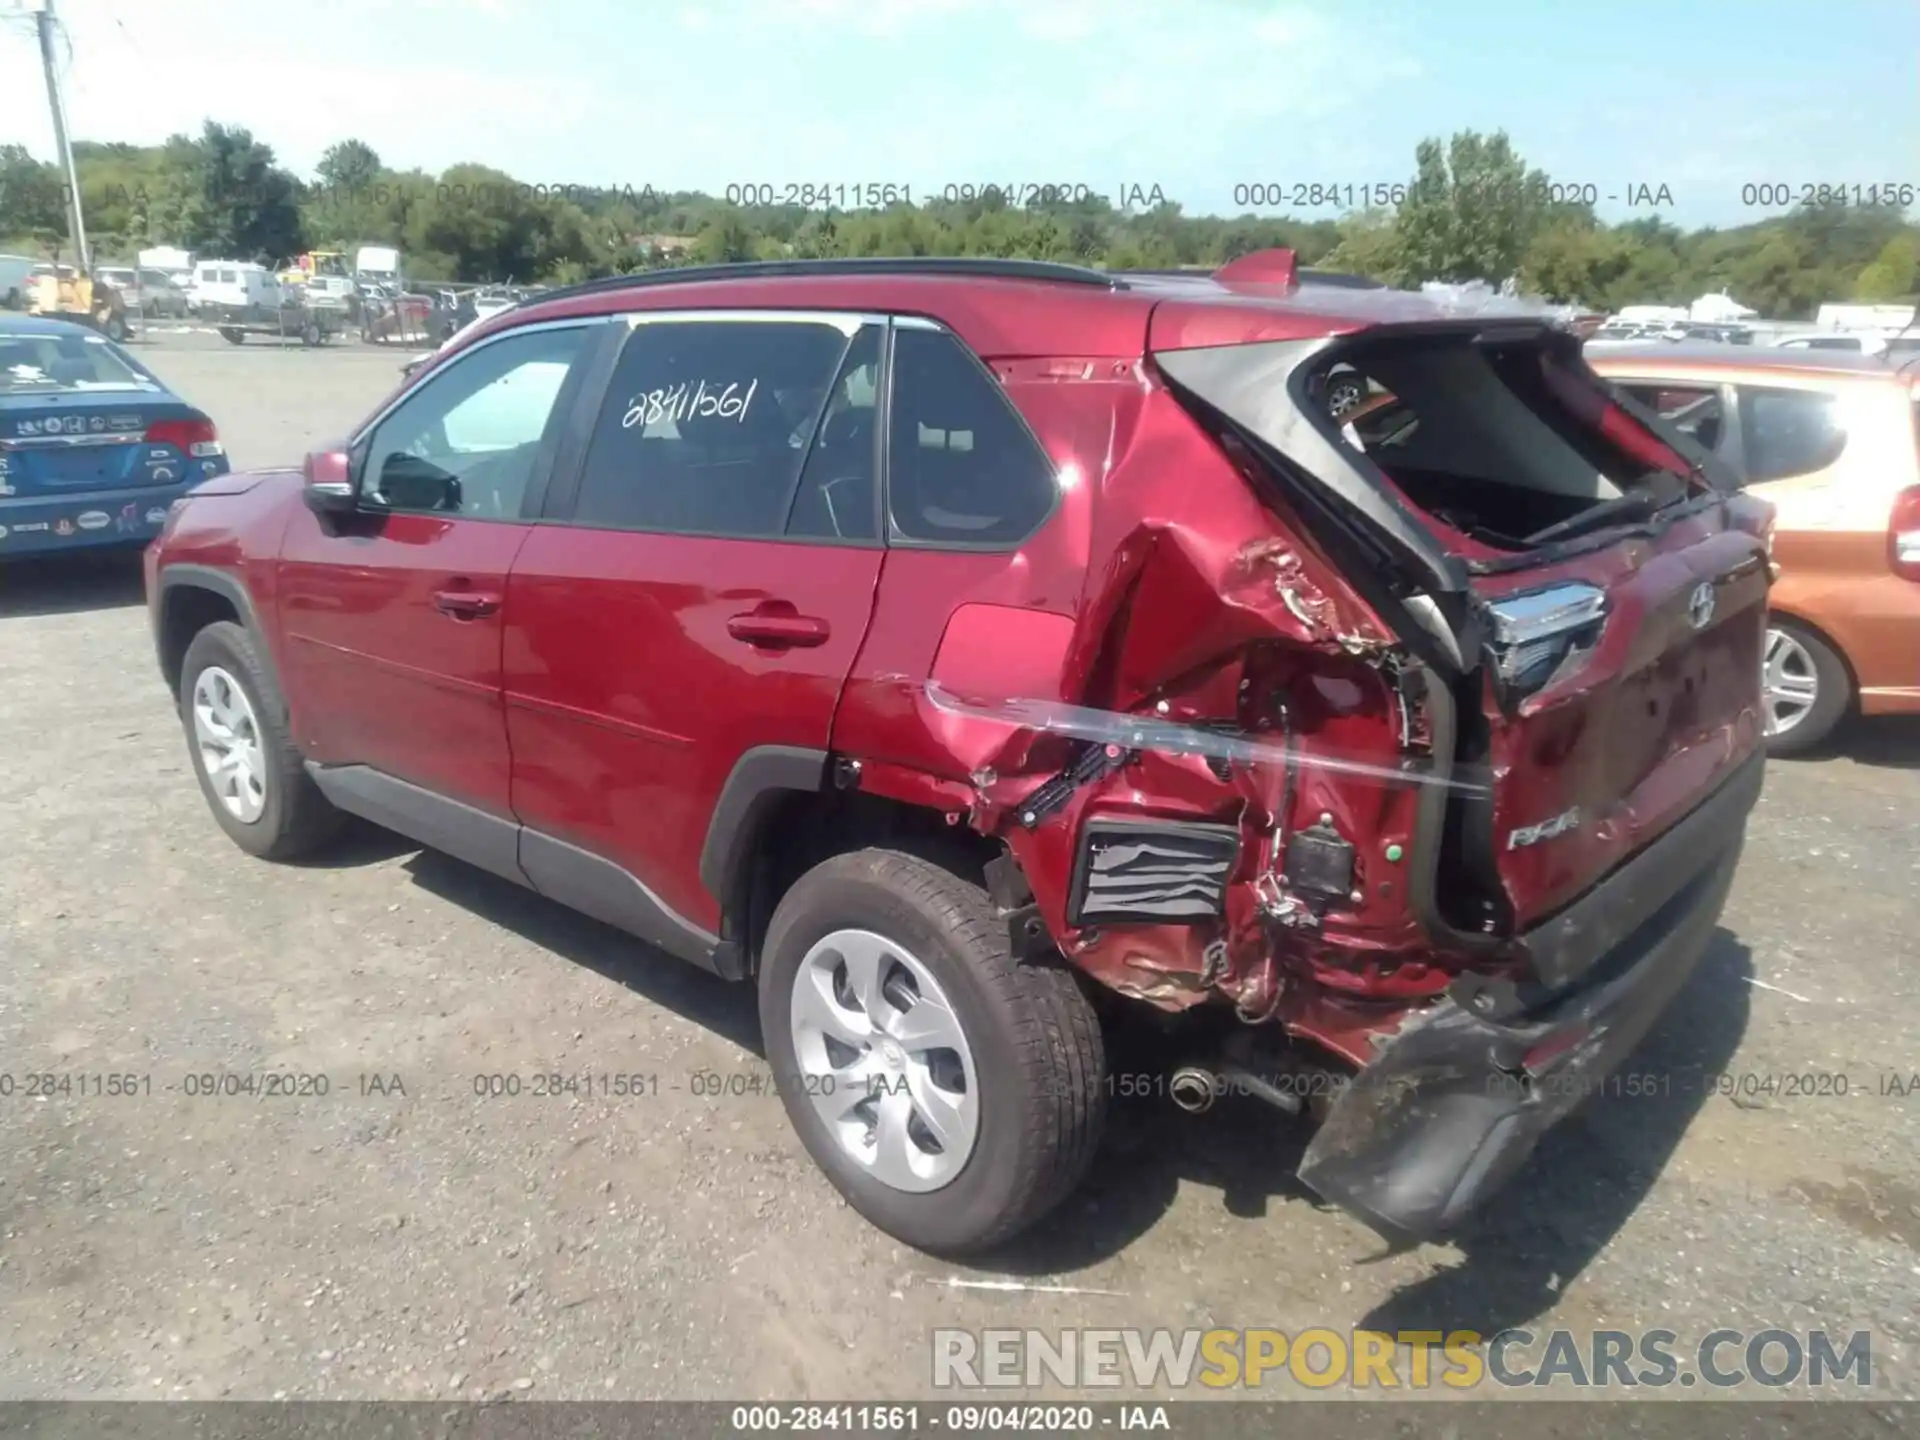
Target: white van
(233, 285)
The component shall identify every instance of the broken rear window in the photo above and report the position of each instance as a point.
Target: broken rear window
(1502, 442)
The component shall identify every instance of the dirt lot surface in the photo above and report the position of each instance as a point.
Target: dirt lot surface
(403, 1237)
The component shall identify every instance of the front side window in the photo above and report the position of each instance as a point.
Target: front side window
(1789, 432)
(962, 467)
(1694, 410)
(708, 425)
(466, 441)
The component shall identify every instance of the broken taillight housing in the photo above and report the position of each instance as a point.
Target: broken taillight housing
(196, 438)
(1903, 534)
(1538, 633)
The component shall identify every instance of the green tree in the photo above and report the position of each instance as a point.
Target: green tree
(1780, 278)
(724, 238)
(1472, 209)
(1369, 245)
(1577, 262)
(348, 166)
(228, 196)
(32, 198)
(1894, 273)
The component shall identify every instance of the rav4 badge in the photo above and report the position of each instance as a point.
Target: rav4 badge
(1547, 829)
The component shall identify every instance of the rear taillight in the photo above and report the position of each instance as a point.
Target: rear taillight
(196, 438)
(1903, 534)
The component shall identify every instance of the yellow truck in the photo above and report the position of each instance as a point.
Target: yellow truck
(61, 293)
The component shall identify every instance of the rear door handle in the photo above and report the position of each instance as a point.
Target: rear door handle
(758, 627)
(465, 604)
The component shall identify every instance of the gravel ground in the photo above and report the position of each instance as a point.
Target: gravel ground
(403, 1238)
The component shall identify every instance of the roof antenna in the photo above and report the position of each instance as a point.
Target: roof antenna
(1261, 267)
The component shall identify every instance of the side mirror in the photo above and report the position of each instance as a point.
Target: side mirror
(329, 488)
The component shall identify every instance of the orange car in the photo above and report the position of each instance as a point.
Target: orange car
(1833, 440)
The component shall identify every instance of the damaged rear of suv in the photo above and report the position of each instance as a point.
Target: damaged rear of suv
(1422, 734)
(964, 651)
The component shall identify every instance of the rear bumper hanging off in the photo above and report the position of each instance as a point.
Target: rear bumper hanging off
(1451, 1106)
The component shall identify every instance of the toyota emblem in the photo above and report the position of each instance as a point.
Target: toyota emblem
(1700, 605)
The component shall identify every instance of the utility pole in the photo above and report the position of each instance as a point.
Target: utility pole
(42, 12)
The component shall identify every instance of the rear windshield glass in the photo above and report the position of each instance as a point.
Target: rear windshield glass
(1500, 442)
(53, 364)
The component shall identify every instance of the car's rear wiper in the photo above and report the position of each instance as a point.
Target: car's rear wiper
(1634, 505)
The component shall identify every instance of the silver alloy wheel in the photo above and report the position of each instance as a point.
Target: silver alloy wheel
(227, 736)
(884, 1060)
(1789, 682)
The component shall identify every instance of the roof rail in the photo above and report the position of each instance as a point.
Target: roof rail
(1306, 275)
(1341, 280)
(983, 267)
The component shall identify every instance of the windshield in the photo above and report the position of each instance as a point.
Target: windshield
(63, 364)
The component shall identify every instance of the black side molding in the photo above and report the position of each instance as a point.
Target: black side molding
(758, 780)
(594, 885)
(563, 872)
(463, 831)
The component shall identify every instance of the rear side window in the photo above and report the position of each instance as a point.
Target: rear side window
(708, 424)
(962, 467)
(1785, 433)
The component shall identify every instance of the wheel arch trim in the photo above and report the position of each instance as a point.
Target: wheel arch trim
(230, 587)
(760, 778)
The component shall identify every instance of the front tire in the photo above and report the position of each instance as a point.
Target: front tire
(1806, 689)
(953, 1094)
(237, 739)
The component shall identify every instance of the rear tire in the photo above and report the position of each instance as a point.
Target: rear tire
(1796, 658)
(1034, 1059)
(294, 819)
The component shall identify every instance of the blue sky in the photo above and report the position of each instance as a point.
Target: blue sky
(1701, 96)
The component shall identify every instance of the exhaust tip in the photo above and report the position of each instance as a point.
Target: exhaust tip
(1193, 1089)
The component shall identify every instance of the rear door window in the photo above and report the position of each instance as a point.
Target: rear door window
(839, 494)
(1784, 433)
(962, 467)
(708, 424)
(1695, 410)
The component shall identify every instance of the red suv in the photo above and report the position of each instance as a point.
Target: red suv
(961, 649)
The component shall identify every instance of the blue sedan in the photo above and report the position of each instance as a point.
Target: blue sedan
(93, 447)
